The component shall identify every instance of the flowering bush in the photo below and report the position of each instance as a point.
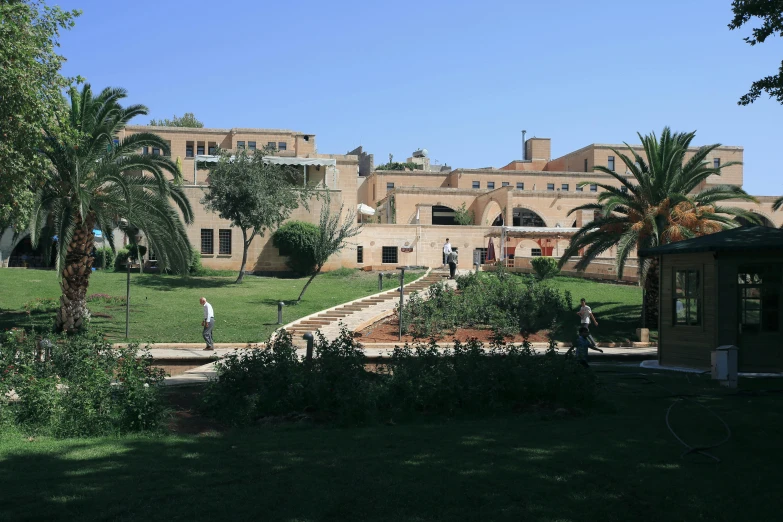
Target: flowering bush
(78, 386)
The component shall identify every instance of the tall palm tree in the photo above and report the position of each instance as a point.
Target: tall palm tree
(95, 181)
(657, 204)
(778, 203)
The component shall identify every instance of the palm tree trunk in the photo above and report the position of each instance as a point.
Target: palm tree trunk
(651, 295)
(75, 279)
(317, 271)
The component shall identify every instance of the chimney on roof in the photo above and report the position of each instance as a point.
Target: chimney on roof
(523, 144)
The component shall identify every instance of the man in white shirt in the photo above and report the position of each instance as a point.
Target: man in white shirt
(208, 323)
(585, 314)
(446, 251)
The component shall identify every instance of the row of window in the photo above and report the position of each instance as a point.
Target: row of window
(208, 241)
(521, 186)
(610, 163)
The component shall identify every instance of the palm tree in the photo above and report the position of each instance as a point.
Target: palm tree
(777, 204)
(95, 180)
(657, 204)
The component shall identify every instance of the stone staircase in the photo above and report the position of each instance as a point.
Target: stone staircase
(362, 308)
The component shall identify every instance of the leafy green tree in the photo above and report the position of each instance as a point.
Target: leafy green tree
(95, 181)
(332, 238)
(30, 99)
(297, 239)
(253, 195)
(462, 216)
(656, 205)
(770, 12)
(187, 120)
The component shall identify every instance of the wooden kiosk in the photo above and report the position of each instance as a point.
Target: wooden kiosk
(722, 289)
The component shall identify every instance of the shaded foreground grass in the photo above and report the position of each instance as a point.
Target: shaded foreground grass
(619, 463)
(166, 308)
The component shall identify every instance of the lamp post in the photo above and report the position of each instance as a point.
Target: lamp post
(402, 292)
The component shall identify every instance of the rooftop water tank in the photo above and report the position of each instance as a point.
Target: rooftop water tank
(420, 153)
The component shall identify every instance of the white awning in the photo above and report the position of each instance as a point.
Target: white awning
(278, 160)
(364, 209)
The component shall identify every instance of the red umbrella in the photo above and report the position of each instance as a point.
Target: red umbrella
(490, 251)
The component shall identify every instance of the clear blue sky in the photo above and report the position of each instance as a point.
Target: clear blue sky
(459, 78)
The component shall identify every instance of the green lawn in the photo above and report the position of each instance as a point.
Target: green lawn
(618, 463)
(166, 308)
(617, 308)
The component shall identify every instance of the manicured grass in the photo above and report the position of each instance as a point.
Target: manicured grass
(618, 309)
(618, 463)
(166, 308)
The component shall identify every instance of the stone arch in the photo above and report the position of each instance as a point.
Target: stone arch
(23, 254)
(525, 248)
(525, 217)
(442, 215)
(492, 210)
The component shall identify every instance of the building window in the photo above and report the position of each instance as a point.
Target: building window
(155, 151)
(593, 188)
(535, 252)
(271, 145)
(389, 254)
(145, 150)
(200, 150)
(476, 184)
(564, 187)
(505, 184)
(716, 163)
(360, 254)
(251, 145)
(212, 149)
(188, 150)
(585, 164)
(151, 255)
(490, 185)
(686, 297)
(389, 185)
(550, 186)
(224, 241)
(624, 189)
(282, 145)
(610, 163)
(207, 241)
(240, 145)
(482, 255)
(520, 185)
(759, 299)
(580, 188)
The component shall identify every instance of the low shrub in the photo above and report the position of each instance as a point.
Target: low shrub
(79, 386)
(545, 267)
(467, 378)
(195, 268)
(121, 259)
(104, 258)
(297, 239)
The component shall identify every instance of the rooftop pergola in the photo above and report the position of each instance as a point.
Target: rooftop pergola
(203, 159)
(529, 233)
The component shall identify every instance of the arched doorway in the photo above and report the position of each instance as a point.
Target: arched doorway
(498, 222)
(442, 215)
(527, 218)
(764, 221)
(24, 255)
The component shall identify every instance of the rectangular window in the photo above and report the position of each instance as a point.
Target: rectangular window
(476, 184)
(550, 186)
(389, 254)
(224, 241)
(145, 150)
(580, 188)
(686, 296)
(282, 145)
(251, 145)
(151, 255)
(520, 185)
(585, 164)
(593, 188)
(389, 185)
(360, 254)
(155, 151)
(271, 145)
(212, 149)
(482, 255)
(759, 298)
(535, 252)
(200, 150)
(207, 241)
(610, 163)
(716, 163)
(240, 145)
(189, 150)
(490, 185)
(564, 187)
(505, 184)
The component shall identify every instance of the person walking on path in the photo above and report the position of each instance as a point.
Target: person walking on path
(452, 260)
(585, 314)
(446, 251)
(582, 344)
(208, 323)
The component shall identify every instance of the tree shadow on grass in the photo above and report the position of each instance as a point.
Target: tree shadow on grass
(169, 283)
(40, 321)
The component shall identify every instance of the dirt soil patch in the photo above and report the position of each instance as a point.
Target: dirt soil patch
(387, 331)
